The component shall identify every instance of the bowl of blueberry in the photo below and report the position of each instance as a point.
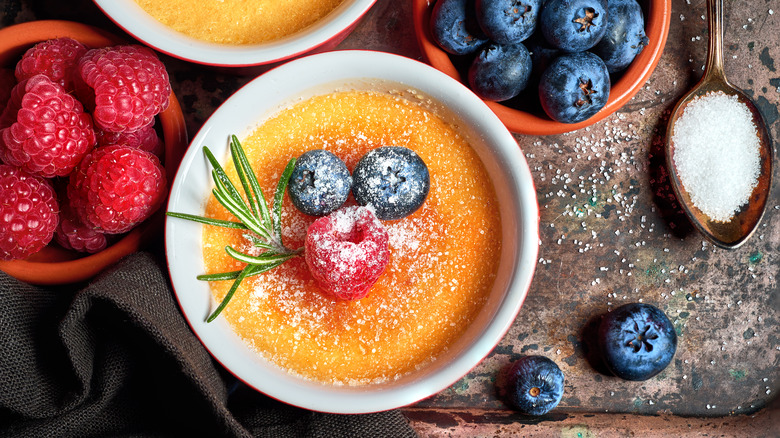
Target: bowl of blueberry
(354, 240)
(545, 66)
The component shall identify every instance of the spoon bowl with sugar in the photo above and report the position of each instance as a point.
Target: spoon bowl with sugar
(719, 152)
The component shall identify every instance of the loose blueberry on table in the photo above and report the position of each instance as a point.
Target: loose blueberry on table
(508, 21)
(625, 35)
(393, 180)
(573, 25)
(574, 87)
(454, 27)
(320, 183)
(637, 341)
(500, 71)
(532, 385)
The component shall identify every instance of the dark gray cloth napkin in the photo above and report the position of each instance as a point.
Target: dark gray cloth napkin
(116, 358)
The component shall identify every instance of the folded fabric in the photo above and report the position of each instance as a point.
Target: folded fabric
(117, 358)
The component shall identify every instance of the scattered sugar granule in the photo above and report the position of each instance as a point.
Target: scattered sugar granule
(716, 154)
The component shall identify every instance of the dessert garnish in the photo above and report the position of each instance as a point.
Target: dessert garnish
(394, 180)
(320, 183)
(254, 216)
(346, 251)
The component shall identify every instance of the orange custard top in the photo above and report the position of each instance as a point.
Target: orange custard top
(238, 21)
(443, 257)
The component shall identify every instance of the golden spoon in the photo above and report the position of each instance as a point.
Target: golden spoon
(744, 222)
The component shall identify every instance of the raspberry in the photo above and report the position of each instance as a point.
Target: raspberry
(55, 59)
(29, 213)
(347, 251)
(145, 139)
(72, 234)
(124, 86)
(46, 130)
(116, 187)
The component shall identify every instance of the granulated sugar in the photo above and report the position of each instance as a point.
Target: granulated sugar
(717, 154)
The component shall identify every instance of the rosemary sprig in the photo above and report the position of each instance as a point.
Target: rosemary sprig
(264, 227)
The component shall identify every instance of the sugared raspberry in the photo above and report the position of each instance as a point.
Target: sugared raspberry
(46, 130)
(28, 213)
(123, 86)
(347, 251)
(145, 139)
(72, 234)
(116, 187)
(55, 59)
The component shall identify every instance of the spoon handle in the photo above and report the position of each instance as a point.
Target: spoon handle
(714, 68)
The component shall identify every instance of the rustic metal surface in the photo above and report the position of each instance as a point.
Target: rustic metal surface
(610, 233)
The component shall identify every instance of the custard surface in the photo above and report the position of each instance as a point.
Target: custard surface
(238, 22)
(443, 257)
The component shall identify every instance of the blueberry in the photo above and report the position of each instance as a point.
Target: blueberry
(508, 21)
(637, 341)
(625, 35)
(574, 87)
(532, 385)
(454, 27)
(394, 180)
(500, 71)
(573, 25)
(542, 54)
(319, 183)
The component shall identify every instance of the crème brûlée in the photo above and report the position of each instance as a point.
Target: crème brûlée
(443, 257)
(238, 22)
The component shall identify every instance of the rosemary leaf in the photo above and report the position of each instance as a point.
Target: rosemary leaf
(219, 175)
(248, 271)
(243, 216)
(241, 276)
(232, 275)
(264, 259)
(249, 180)
(278, 197)
(259, 242)
(207, 220)
(236, 201)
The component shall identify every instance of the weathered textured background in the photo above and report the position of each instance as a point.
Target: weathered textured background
(610, 233)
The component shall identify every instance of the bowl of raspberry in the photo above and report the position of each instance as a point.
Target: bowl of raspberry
(546, 67)
(353, 240)
(85, 176)
(225, 34)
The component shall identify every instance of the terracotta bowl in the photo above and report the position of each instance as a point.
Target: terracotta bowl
(55, 265)
(322, 35)
(380, 72)
(628, 83)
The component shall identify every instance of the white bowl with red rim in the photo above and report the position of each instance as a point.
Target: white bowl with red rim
(322, 35)
(339, 71)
